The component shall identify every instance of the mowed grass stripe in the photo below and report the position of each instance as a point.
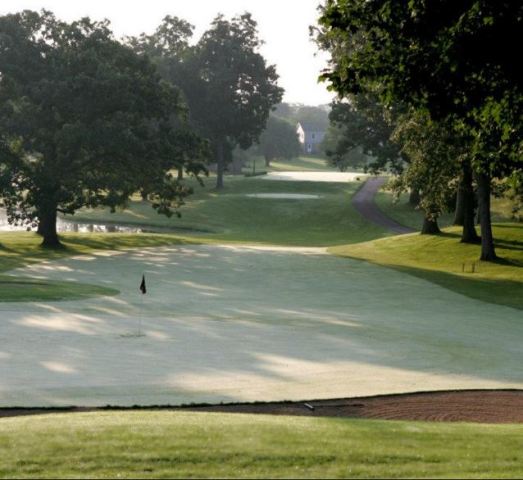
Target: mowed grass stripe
(168, 445)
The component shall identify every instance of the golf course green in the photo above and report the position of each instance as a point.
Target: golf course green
(254, 298)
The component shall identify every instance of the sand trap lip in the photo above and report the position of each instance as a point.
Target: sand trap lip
(334, 177)
(284, 196)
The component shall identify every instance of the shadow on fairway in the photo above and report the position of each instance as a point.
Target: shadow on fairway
(231, 323)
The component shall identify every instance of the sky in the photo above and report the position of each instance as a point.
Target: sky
(282, 24)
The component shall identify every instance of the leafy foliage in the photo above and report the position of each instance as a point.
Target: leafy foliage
(226, 82)
(451, 59)
(87, 122)
(279, 140)
(362, 122)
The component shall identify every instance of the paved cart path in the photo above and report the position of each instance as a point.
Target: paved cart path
(364, 203)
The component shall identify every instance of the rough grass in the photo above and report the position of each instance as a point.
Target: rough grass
(442, 258)
(229, 215)
(203, 445)
(18, 249)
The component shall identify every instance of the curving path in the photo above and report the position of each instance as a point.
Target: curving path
(363, 202)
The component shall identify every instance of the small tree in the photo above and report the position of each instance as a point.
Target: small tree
(433, 165)
(279, 140)
(362, 122)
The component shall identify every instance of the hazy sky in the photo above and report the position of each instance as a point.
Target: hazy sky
(283, 25)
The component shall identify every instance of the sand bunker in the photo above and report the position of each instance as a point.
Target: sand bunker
(283, 196)
(339, 177)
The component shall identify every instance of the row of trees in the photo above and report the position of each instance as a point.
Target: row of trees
(225, 81)
(442, 80)
(87, 120)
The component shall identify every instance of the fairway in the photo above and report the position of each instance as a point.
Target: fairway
(238, 323)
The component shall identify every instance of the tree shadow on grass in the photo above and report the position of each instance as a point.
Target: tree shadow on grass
(500, 292)
(216, 332)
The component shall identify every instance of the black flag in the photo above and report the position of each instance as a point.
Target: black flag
(143, 288)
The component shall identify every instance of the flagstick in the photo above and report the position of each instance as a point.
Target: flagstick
(140, 317)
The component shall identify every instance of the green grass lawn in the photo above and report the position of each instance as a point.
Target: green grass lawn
(203, 445)
(229, 215)
(440, 259)
(18, 249)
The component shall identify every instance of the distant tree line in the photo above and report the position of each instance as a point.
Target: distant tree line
(433, 92)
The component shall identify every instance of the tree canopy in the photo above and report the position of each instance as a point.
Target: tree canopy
(452, 59)
(279, 140)
(229, 88)
(84, 120)
(361, 122)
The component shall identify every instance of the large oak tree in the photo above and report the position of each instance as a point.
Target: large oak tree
(85, 122)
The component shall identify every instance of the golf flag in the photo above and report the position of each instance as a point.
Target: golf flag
(143, 288)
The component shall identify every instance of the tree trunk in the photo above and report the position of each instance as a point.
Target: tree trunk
(430, 226)
(267, 161)
(488, 253)
(459, 213)
(220, 167)
(468, 234)
(47, 227)
(414, 197)
(180, 173)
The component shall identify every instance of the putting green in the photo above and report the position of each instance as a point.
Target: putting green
(233, 323)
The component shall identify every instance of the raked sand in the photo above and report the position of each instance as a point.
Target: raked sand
(231, 323)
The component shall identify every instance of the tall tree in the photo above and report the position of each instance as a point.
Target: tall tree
(226, 82)
(87, 122)
(239, 89)
(454, 59)
(433, 164)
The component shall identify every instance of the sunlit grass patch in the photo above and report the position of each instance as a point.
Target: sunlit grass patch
(166, 445)
(443, 260)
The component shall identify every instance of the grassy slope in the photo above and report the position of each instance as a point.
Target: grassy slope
(232, 216)
(405, 214)
(440, 259)
(20, 248)
(167, 445)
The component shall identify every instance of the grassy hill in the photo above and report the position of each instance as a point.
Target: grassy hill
(231, 215)
(441, 259)
(203, 445)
